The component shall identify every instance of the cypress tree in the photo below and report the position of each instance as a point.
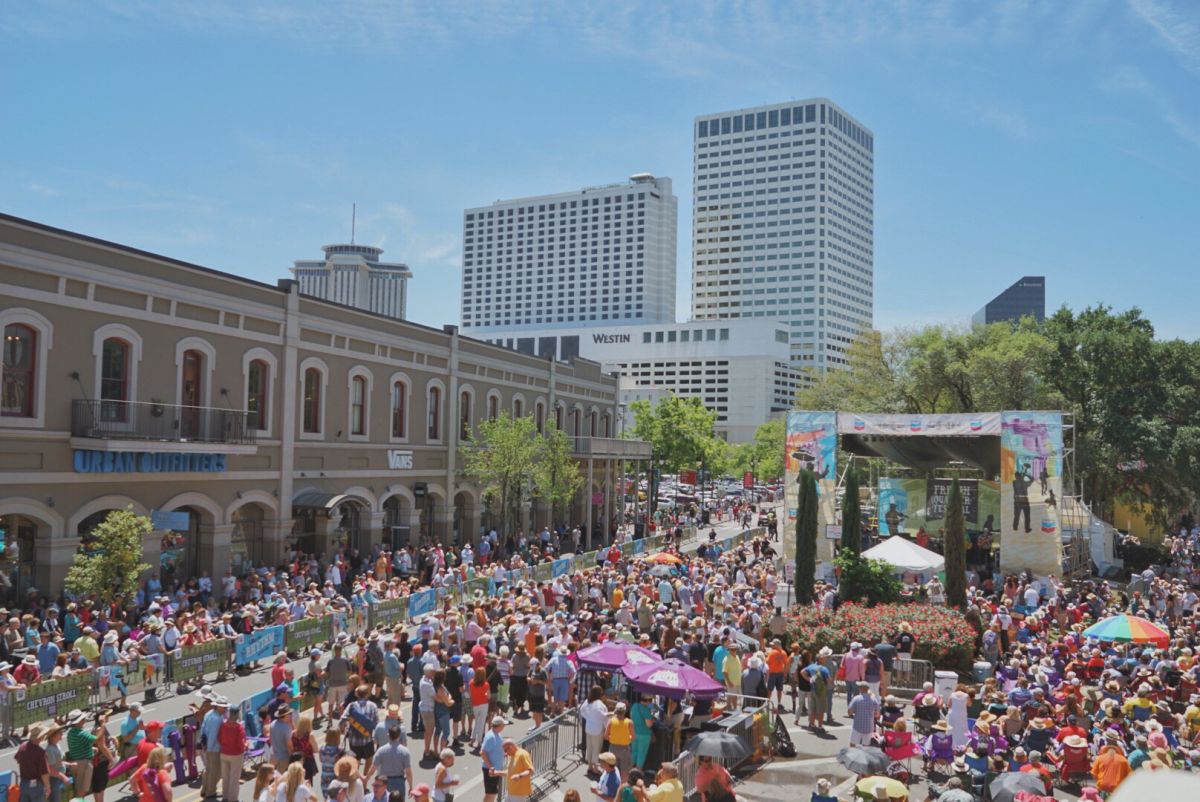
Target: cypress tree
(954, 549)
(806, 539)
(851, 517)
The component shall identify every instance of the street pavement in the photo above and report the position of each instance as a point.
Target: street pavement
(236, 688)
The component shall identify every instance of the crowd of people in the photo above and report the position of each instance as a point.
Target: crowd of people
(1075, 711)
(384, 705)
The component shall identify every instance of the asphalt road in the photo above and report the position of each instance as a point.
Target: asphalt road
(236, 688)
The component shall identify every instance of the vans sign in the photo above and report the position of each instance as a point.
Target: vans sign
(610, 338)
(400, 460)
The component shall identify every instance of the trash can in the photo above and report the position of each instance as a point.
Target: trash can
(944, 683)
(982, 670)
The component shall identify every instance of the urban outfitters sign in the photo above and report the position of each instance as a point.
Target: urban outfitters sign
(147, 462)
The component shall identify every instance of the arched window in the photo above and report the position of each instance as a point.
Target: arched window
(607, 425)
(114, 380)
(399, 409)
(518, 408)
(435, 413)
(592, 423)
(258, 380)
(493, 406)
(539, 417)
(464, 414)
(358, 405)
(576, 421)
(558, 417)
(313, 381)
(18, 376)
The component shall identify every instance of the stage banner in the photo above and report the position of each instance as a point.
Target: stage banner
(191, 662)
(53, 698)
(811, 445)
(937, 490)
(307, 632)
(261, 644)
(421, 603)
(976, 424)
(1031, 462)
(906, 506)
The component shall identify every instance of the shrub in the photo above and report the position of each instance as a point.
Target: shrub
(944, 637)
(860, 579)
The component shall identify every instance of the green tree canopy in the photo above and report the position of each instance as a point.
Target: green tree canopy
(499, 458)
(113, 567)
(557, 477)
(680, 430)
(805, 579)
(764, 454)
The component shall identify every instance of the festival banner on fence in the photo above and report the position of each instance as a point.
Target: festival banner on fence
(639, 547)
(811, 446)
(388, 612)
(1031, 463)
(190, 662)
(541, 572)
(421, 603)
(307, 632)
(50, 699)
(261, 644)
(560, 567)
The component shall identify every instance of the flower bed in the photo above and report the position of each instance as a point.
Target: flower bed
(944, 637)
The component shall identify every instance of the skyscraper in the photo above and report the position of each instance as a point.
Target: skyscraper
(354, 276)
(1025, 298)
(783, 223)
(598, 255)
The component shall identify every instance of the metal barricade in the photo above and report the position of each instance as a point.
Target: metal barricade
(686, 764)
(909, 676)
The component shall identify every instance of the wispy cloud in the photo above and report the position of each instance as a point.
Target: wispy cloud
(1009, 120)
(1178, 28)
(1133, 81)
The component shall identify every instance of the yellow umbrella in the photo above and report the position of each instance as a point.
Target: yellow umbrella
(895, 789)
(663, 557)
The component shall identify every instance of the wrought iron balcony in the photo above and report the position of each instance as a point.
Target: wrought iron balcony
(158, 422)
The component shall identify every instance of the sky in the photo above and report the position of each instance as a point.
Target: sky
(1011, 138)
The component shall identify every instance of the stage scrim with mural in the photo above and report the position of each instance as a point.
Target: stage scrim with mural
(811, 445)
(1031, 464)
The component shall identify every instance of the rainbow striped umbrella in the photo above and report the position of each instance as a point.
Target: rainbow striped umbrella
(1128, 629)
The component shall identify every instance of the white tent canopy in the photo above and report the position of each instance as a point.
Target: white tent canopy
(906, 555)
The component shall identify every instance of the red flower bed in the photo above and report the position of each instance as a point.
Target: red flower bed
(944, 637)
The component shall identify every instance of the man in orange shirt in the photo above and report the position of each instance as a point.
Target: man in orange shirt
(1110, 769)
(776, 671)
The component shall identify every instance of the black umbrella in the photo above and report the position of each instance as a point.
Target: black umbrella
(864, 759)
(719, 745)
(1007, 785)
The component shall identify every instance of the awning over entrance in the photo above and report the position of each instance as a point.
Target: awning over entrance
(317, 500)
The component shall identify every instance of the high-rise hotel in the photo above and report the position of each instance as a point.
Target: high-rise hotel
(597, 256)
(783, 223)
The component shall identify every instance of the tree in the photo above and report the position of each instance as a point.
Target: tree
(806, 539)
(680, 430)
(954, 549)
(114, 566)
(556, 476)
(499, 457)
(763, 456)
(851, 516)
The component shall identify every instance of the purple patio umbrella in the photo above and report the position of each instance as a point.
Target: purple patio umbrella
(614, 655)
(672, 678)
